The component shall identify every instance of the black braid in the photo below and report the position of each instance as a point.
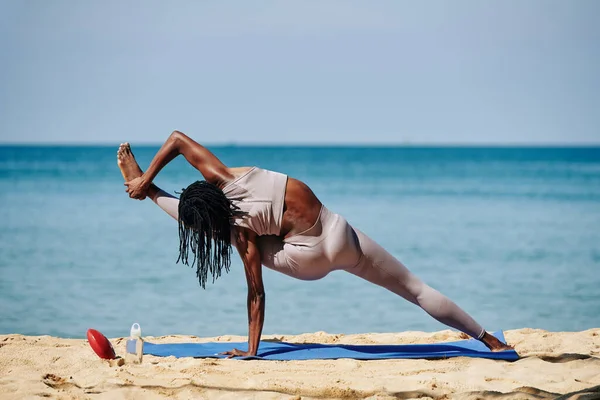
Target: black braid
(205, 218)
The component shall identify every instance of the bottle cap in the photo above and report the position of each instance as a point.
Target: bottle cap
(136, 331)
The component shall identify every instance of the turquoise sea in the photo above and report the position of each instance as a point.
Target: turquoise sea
(510, 234)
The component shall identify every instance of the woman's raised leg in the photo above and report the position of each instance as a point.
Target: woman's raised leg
(130, 169)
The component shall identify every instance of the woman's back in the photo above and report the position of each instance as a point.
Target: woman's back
(292, 208)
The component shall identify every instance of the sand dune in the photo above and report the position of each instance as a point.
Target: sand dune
(553, 365)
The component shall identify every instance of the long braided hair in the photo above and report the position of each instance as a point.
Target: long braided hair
(205, 218)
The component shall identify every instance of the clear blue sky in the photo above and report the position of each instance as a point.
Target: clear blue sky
(304, 71)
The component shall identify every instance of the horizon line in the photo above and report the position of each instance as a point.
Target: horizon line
(310, 144)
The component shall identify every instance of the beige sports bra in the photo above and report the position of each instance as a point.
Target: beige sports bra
(260, 196)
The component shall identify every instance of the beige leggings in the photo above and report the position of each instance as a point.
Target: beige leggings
(333, 244)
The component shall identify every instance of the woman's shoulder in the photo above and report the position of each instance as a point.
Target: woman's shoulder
(236, 172)
(254, 174)
(233, 174)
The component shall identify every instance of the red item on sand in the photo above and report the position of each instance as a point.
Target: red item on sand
(101, 345)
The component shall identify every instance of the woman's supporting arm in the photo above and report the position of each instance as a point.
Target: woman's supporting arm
(250, 254)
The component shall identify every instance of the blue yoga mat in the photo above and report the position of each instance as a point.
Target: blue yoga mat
(311, 351)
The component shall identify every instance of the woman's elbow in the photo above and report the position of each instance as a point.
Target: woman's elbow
(175, 135)
(257, 295)
(177, 138)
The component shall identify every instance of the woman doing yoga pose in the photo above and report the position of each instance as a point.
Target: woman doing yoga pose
(276, 221)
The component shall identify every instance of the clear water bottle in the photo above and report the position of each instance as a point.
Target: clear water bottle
(135, 344)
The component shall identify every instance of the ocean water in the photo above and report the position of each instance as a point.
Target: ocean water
(510, 234)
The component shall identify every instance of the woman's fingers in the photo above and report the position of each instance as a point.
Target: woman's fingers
(232, 353)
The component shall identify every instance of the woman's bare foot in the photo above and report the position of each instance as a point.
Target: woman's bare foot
(494, 344)
(127, 163)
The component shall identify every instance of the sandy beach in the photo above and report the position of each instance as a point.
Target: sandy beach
(552, 364)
